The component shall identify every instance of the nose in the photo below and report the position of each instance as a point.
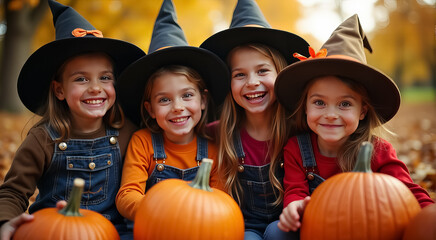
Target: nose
(178, 106)
(95, 86)
(331, 114)
(253, 81)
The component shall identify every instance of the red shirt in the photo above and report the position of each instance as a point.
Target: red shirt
(384, 161)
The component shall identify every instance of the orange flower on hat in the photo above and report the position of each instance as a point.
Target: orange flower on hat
(322, 53)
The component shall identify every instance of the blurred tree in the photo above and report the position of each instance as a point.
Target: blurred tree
(406, 46)
(22, 17)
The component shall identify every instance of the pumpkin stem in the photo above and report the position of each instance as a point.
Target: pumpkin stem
(73, 205)
(363, 163)
(201, 180)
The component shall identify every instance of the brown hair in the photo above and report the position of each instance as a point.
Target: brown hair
(193, 77)
(230, 123)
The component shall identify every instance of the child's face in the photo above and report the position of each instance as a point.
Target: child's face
(87, 85)
(253, 78)
(333, 110)
(176, 104)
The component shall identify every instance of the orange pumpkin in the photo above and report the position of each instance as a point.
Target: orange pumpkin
(176, 209)
(69, 223)
(423, 225)
(359, 205)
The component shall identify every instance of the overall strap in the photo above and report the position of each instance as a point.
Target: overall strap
(111, 131)
(53, 133)
(306, 150)
(201, 148)
(238, 145)
(158, 146)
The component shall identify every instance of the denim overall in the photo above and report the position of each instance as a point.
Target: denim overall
(258, 194)
(97, 161)
(309, 162)
(162, 171)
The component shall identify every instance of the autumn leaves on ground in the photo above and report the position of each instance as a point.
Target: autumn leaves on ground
(415, 126)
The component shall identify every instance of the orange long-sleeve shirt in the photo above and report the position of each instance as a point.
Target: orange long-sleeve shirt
(139, 164)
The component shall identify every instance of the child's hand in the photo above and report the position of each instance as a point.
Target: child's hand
(8, 228)
(291, 215)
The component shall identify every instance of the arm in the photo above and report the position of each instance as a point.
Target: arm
(294, 182)
(385, 161)
(31, 160)
(134, 175)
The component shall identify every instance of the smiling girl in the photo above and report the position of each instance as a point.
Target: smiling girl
(338, 102)
(82, 132)
(253, 129)
(167, 93)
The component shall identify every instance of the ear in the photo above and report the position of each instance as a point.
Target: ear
(149, 109)
(363, 112)
(58, 90)
(204, 99)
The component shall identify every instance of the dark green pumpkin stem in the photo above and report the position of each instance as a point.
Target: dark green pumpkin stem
(73, 205)
(363, 163)
(201, 180)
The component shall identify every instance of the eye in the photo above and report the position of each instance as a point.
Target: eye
(163, 100)
(263, 71)
(187, 95)
(318, 102)
(106, 77)
(238, 75)
(345, 104)
(80, 79)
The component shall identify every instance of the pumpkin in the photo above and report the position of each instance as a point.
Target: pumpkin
(423, 225)
(359, 205)
(177, 209)
(69, 223)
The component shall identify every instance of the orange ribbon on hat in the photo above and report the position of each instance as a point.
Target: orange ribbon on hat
(80, 32)
(322, 53)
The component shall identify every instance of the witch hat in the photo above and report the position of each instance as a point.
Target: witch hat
(250, 26)
(168, 46)
(74, 36)
(343, 56)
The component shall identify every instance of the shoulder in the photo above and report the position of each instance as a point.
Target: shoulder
(38, 134)
(382, 146)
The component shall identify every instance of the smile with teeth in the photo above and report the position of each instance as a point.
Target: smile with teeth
(254, 95)
(177, 120)
(94, 101)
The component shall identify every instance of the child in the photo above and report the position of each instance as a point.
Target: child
(168, 89)
(252, 129)
(70, 83)
(338, 102)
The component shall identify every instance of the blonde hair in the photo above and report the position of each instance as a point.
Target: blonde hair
(370, 129)
(57, 113)
(193, 77)
(230, 123)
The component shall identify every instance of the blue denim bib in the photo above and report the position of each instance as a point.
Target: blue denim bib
(97, 161)
(162, 171)
(258, 194)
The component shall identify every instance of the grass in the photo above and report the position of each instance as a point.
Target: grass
(418, 94)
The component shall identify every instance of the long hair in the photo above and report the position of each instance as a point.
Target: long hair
(57, 113)
(193, 77)
(370, 129)
(231, 118)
